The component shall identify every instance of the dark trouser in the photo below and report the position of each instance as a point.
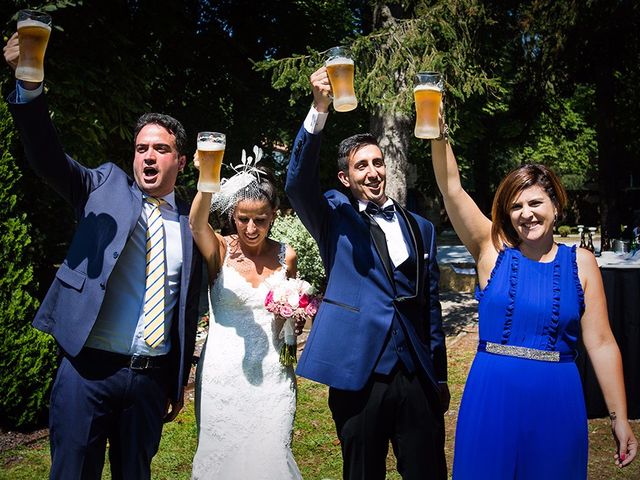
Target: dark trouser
(95, 399)
(398, 407)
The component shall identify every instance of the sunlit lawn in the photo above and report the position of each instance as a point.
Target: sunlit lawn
(315, 446)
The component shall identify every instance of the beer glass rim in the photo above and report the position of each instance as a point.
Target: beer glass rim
(338, 51)
(429, 73)
(218, 135)
(429, 77)
(37, 15)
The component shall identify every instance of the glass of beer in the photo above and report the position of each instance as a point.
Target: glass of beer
(34, 29)
(210, 152)
(340, 69)
(428, 97)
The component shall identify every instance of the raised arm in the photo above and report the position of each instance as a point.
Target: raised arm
(43, 150)
(210, 243)
(605, 355)
(303, 180)
(473, 228)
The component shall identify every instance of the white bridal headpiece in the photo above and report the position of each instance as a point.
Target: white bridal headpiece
(244, 185)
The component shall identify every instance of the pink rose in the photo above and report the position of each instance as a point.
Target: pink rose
(304, 301)
(286, 311)
(269, 299)
(311, 309)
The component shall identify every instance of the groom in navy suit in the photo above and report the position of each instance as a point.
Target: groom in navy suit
(118, 379)
(377, 339)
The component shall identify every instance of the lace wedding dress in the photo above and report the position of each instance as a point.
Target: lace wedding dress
(245, 399)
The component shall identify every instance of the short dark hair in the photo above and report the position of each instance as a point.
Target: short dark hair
(519, 179)
(167, 122)
(351, 145)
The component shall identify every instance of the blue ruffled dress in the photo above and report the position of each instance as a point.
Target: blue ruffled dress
(521, 418)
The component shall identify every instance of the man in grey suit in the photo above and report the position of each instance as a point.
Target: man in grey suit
(123, 364)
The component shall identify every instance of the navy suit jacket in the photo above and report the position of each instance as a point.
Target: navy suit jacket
(107, 204)
(355, 316)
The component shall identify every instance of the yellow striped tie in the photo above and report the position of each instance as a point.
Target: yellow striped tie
(154, 292)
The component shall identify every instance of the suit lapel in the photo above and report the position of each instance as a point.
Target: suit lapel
(136, 210)
(380, 242)
(378, 238)
(417, 245)
(187, 247)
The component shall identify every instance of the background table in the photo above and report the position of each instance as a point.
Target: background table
(622, 288)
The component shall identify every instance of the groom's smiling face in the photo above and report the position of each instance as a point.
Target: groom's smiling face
(366, 175)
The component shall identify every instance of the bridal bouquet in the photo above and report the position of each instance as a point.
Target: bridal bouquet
(296, 301)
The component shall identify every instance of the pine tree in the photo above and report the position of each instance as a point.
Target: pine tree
(27, 358)
(402, 40)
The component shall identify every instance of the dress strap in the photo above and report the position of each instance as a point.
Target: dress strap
(576, 279)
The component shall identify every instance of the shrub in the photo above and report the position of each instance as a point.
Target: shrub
(288, 228)
(564, 230)
(27, 358)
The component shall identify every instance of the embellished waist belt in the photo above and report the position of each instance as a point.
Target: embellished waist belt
(526, 352)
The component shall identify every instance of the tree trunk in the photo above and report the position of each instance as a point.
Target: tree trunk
(481, 172)
(610, 166)
(393, 131)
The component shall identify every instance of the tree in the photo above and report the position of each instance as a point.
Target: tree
(402, 39)
(27, 357)
(596, 43)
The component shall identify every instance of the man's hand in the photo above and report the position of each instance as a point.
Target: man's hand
(321, 89)
(11, 54)
(12, 51)
(173, 408)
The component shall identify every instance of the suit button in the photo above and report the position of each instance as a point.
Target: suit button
(102, 285)
(394, 331)
(115, 254)
(400, 348)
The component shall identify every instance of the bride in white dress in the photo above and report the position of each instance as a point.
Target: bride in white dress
(245, 398)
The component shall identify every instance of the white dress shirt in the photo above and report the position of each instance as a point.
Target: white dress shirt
(120, 324)
(396, 244)
(398, 252)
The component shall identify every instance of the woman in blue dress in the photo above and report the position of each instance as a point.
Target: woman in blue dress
(522, 414)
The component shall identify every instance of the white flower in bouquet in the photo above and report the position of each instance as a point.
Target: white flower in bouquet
(294, 301)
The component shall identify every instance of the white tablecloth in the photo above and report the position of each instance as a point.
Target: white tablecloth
(619, 260)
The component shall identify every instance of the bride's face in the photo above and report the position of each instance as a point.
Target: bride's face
(253, 219)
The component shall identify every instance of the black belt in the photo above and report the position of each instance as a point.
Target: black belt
(134, 362)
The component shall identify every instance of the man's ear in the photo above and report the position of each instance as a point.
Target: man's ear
(344, 179)
(182, 161)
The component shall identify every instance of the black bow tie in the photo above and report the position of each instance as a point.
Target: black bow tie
(387, 212)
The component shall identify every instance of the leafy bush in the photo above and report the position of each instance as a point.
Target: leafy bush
(27, 357)
(288, 228)
(564, 230)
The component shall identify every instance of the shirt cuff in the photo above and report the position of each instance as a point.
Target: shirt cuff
(314, 123)
(25, 96)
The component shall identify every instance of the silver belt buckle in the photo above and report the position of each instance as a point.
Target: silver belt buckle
(139, 362)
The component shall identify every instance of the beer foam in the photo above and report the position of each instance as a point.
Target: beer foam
(433, 88)
(33, 23)
(207, 146)
(339, 61)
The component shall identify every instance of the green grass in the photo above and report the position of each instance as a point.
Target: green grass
(315, 444)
